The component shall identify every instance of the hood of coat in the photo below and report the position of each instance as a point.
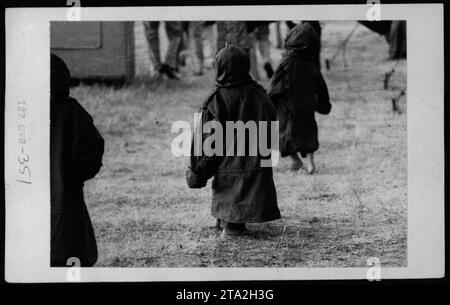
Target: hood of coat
(59, 78)
(302, 39)
(232, 67)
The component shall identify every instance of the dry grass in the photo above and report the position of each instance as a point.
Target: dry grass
(353, 209)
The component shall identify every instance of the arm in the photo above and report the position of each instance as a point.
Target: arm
(203, 167)
(279, 85)
(88, 152)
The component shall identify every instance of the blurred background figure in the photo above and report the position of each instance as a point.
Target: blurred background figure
(210, 38)
(192, 46)
(395, 33)
(196, 32)
(259, 33)
(174, 36)
(278, 36)
(182, 53)
(397, 39)
(234, 32)
(198, 44)
(238, 33)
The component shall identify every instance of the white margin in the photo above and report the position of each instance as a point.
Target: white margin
(27, 237)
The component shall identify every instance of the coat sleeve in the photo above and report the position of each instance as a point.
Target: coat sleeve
(278, 86)
(88, 146)
(203, 167)
(89, 149)
(323, 105)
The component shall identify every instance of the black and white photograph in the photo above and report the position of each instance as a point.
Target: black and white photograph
(218, 141)
(337, 205)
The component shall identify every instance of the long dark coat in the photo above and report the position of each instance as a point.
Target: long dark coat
(76, 150)
(298, 90)
(243, 191)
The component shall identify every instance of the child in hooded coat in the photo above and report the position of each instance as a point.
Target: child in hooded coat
(243, 190)
(298, 90)
(76, 150)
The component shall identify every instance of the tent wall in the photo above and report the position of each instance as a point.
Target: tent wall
(95, 50)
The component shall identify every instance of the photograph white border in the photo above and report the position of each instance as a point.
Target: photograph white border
(27, 210)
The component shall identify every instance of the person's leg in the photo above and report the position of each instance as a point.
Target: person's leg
(253, 57)
(210, 33)
(262, 37)
(278, 35)
(184, 48)
(296, 162)
(310, 166)
(218, 224)
(198, 46)
(152, 35)
(233, 229)
(174, 34)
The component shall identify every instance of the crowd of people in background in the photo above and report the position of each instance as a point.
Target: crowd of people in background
(187, 39)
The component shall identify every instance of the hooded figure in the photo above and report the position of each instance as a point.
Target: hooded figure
(317, 29)
(76, 150)
(298, 90)
(243, 190)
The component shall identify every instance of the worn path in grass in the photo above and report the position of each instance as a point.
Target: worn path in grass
(354, 208)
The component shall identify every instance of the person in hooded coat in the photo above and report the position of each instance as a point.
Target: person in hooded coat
(76, 150)
(298, 90)
(243, 190)
(318, 29)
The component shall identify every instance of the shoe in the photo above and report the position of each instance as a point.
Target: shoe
(156, 76)
(296, 165)
(182, 57)
(307, 169)
(269, 70)
(168, 71)
(233, 229)
(218, 224)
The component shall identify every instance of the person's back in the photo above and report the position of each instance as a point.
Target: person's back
(76, 150)
(243, 190)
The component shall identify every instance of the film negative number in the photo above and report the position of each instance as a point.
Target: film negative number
(23, 157)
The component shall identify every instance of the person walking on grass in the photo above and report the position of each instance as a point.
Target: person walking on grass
(76, 150)
(259, 32)
(174, 35)
(243, 190)
(298, 90)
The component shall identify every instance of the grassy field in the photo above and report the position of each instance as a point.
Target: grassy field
(354, 208)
